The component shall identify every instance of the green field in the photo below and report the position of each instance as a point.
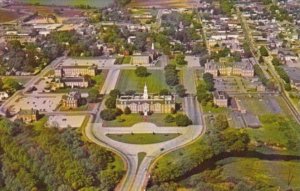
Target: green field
(259, 105)
(129, 81)
(130, 120)
(254, 173)
(141, 157)
(142, 138)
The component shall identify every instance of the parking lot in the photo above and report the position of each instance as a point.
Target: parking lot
(39, 102)
(64, 121)
(226, 84)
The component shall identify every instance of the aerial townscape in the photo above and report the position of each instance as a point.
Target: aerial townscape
(156, 95)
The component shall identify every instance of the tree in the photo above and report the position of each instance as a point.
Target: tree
(140, 41)
(123, 2)
(93, 95)
(209, 81)
(114, 93)
(182, 120)
(11, 85)
(276, 61)
(108, 114)
(127, 111)
(164, 92)
(180, 90)
(141, 71)
(263, 51)
(221, 122)
(171, 75)
(179, 59)
(202, 95)
(110, 103)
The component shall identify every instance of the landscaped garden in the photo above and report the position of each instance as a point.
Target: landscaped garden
(130, 120)
(142, 138)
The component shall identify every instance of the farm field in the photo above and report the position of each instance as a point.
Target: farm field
(6, 16)
(100, 3)
(129, 81)
(162, 3)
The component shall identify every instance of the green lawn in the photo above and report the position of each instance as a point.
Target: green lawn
(127, 60)
(130, 120)
(80, 108)
(142, 138)
(141, 157)
(209, 108)
(259, 105)
(129, 81)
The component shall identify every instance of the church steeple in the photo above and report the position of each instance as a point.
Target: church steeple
(145, 95)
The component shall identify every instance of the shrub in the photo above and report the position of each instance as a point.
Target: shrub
(127, 111)
(182, 120)
(169, 119)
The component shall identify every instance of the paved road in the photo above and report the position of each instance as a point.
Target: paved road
(31, 82)
(110, 81)
(192, 109)
(36, 78)
(189, 80)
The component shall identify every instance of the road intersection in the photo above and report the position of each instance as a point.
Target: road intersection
(138, 171)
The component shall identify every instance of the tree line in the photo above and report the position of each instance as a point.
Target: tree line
(39, 158)
(219, 138)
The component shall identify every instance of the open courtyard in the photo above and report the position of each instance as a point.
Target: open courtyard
(128, 80)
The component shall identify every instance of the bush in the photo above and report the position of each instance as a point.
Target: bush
(127, 111)
(110, 114)
(164, 92)
(263, 51)
(182, 120)
(173, 110)
(180, 59)
(287, 87)
(169, 119)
